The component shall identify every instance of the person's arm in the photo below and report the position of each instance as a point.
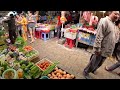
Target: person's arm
(24, 21)
(102, 26)
(6, 20)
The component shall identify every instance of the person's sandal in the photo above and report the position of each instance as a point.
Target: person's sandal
(31, 42)
(118, 73)
(106, 68)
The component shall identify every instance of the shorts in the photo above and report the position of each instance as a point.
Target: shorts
(31, 26)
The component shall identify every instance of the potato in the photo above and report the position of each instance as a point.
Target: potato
(62, 78)
(57, 71)
(55, 78)
(53, 74)
(57, 74)
(56, 68)
(60, 71)
(72, 76)
(64, 72)
(68, 76)
(49, 75)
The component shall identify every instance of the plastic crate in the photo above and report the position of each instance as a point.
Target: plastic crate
(85, 40)
(92, 39)
(33, 57)
(62, 70)
(70, 35)
(43, 60)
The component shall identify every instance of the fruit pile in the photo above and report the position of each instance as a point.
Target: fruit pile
(60, 74)
(44, 65)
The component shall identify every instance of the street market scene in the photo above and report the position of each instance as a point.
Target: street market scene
(59, 45)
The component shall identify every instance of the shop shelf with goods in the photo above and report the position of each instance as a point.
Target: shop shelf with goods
(85, 36)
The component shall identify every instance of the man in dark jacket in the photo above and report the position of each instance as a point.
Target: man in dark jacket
(11, 28)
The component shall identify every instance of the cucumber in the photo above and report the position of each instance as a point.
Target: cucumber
(49, 69)
(26, 76)
(23, 66)
(37, 74)
(29, 65)
(32, 66)
(34, 70)
(21, 61)
(26, 69)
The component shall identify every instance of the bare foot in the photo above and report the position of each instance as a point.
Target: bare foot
(32, 41)
(118, 73)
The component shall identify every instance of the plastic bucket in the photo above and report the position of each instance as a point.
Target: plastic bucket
(44, 77)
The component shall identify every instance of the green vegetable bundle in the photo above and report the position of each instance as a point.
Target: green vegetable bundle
(20, 43)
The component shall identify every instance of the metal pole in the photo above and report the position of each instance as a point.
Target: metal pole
(80, 16)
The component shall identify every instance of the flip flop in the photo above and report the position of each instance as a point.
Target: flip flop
(106, 68)
(118, 73)
(31, 42)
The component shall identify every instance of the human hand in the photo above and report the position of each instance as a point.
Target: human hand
(97, 53)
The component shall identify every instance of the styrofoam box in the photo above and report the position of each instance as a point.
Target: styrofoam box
(70, 35)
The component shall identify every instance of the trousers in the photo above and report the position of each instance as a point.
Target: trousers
(95, 62)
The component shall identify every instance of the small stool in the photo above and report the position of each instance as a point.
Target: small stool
(45, 36)
(70, 43)
(37, 33)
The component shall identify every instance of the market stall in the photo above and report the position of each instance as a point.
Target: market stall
(45, 29)
(16, 63)
(85, 36)
(70, 33)
(83, 32)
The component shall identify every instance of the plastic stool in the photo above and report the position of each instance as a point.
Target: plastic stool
(38, 34)
(69, 42)
(45, 36)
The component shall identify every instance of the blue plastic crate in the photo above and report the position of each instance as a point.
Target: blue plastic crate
(85, 40)
(92, 39)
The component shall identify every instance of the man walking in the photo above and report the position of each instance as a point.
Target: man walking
(105, 41)
(116, 53)
(11, 28)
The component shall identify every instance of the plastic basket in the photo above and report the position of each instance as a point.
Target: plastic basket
(62, 70)
(14, 71)
(33, 57)
(44, 77)
(43, 60)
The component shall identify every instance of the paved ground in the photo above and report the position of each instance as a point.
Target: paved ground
(71, 60)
